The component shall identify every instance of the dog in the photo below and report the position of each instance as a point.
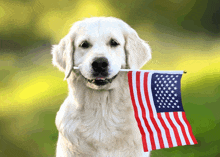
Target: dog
(97, 117)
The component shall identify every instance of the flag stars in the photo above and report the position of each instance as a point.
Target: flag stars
(165, 92)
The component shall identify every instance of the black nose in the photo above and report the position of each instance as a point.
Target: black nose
(100, 66)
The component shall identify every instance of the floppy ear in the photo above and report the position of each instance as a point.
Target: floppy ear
(138, 51)
(63, 56)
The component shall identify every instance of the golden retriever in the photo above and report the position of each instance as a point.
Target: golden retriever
(97, 117)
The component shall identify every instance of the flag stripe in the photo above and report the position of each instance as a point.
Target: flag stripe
(138, 86)
(168, 134)
(176, 115)
(167, 114)
(179, 131)
(170, 129)
(136, 112)
(147, 82)
(189, 128)
(186, 127)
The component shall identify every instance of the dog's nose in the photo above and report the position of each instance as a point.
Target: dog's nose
(100, 66)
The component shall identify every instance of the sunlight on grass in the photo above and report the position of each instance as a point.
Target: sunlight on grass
(60, 21)
(9, 14)
(199, 67)
(32, 90)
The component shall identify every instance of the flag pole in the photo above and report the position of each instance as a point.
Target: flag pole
(138, 70)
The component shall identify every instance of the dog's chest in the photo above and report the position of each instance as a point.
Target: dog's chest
(104, 123)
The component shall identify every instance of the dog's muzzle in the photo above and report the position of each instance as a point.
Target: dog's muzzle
(100, 72)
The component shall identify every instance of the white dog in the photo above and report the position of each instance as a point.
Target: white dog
(97, 117)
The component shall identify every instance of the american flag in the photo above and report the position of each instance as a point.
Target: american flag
(156, 99)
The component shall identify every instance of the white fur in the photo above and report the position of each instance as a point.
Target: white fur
(98, 121)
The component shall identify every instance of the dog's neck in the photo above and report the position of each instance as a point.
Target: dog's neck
(87, 98)
(100, 111)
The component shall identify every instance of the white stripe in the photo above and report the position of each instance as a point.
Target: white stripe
(170, 129)
(152, 106)
(146, 108)
(166, 145)
(178, 128)
(139, 110)
(186, 127)
(150, 95)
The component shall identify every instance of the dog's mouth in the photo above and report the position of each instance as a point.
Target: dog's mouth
(100, 81)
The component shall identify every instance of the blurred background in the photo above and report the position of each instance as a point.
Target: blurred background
(183, 35)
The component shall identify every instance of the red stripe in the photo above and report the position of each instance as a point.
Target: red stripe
(167, 131)
(190, 128)
(182, 127)
(136, 111)
(143, 110)
(160, 138)
(174, 129)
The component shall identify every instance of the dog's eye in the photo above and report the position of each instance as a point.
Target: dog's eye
(84, 44)
(113, 43)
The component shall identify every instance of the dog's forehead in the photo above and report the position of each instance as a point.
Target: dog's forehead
(100, 29)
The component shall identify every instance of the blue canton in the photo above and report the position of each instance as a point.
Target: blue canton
(166, 91)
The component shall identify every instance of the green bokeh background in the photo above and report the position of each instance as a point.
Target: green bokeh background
(183, 35)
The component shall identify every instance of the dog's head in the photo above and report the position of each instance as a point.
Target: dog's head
(100, 47)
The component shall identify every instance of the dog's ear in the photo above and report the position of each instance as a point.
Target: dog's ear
(63, 55)
(138, 51)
